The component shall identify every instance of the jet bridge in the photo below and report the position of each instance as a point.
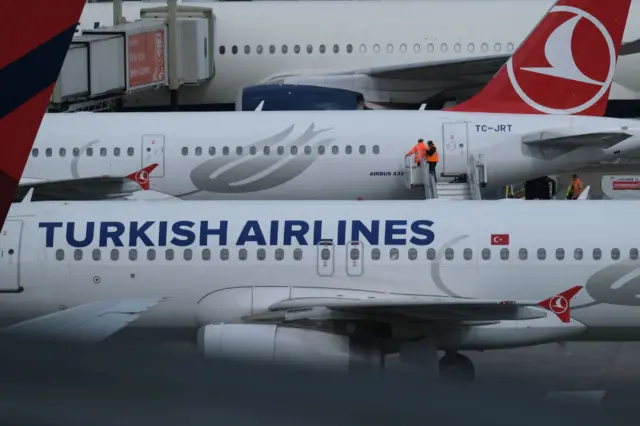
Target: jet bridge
(466, 187)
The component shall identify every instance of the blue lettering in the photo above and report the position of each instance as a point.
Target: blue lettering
(221, 232)
(50, 230)
(252, 226)
(182, 228)
(106, 234)
(389, 232)
(162, 234)
(371, 235)
(88, 235)
(140, 233)
(342, 232)
(421, 228)
(298, 234)
(273, 233)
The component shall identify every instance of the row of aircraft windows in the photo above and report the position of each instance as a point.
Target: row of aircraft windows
(62, 152)
(354, 254)
(376, 48)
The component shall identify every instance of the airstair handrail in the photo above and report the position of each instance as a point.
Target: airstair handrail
(473, 178)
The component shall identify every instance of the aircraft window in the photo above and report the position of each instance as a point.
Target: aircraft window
(242, 254)
(76, 152)
(394, 254)
(362, 149)
(510, 47)
(297, 254)
(130, 151)
(307, 150)
(542, 254)
(116, 152)
(363, 48)
(77, 254)
(247, 49)
(48, 152)
(259, 49)
(185, 150)
(206, 254)
(222, 50)
(59, 254)
(615, 254)
(375, 254)
(560, 254)
(133, 254)
(266, 150)
(449, 254)
(336, 48)
(238, 150)
(376, 149)
(354, 254)
(416, 48)
(413, 254)
(467, 254)
(262, 254)
(294, 150)
(103, 152)
(285, 49)
(272, 49)
(224, 254)
(321, 149)
(279, 254)
(281, 150)
(62, 152)
(89, 152)
(225, 150)
(96, 254)
(188, 254)
(403, 48)
(198, 151)
(484, 47)
(457, 47)
(169, 254)
(349, 48)
(633, 254)
(431, 254)
(577, 254)
(471, 47)
(115, 254)
(597, 254)
(34, 152)
(212, 151)
(322, 48)
(522, 254)
(376, 48)
(497, 47)
(389, 48)
(504, 254)
(309, 48)
(334, 149)
(296, 49)
(486, 254)
(443, 47)
(151, 254)
(347, 150)
(430, 48)
(234, 49)
(252, 150)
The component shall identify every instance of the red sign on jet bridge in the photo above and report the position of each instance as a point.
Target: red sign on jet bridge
(146, 58)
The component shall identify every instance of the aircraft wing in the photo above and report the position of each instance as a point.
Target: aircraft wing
(567, 139)
(88, 323)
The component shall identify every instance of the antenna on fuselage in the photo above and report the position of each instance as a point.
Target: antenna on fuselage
(259, 107)
(27, 198)
(422, 107)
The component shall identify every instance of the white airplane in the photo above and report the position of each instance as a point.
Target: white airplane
(388, 54)
(517, 128)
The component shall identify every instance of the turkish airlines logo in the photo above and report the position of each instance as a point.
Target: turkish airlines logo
(142, 177)
(559, 305)
(597, 55)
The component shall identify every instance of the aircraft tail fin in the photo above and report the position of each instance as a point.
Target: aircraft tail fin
(31, 56)
(142, 176)
(560, 304)
(565, 66)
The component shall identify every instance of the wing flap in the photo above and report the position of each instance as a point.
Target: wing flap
(97, 187)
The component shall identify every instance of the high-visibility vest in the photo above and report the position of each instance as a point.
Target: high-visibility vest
(420, 151)
(578, 187)
(433, 158)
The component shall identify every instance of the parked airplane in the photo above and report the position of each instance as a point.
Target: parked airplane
(30, 60)
(285, 155)
(385, 53)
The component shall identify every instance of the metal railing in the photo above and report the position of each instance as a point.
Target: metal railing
(475, 175)
(420, 176)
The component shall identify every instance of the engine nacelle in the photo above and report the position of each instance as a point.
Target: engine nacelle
(274, 344)
(291, 97)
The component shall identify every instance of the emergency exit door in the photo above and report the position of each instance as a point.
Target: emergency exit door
(455, 150)
(10, 256)
(325, 259)
(153, 152)
(354, 258)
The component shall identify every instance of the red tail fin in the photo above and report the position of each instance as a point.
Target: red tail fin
(31, 55)
(142, 176)
(565, 66)
(560, 304)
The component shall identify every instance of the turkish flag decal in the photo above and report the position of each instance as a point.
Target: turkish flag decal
(499, 239)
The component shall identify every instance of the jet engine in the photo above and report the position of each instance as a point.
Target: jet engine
(291, 97)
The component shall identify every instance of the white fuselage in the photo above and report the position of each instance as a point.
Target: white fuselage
(65, 254)
(381, 34)
(222, 155)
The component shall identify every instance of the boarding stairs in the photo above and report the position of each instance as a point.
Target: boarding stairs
(464, 187)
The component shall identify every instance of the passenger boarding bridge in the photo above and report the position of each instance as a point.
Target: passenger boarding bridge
(465, 187)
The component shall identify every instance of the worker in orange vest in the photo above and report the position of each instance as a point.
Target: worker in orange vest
(576, 187)
(419, 151)
(432, 158)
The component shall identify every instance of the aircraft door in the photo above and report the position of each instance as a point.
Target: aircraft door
(354, 258)
(10, 256)
(325, 258)
(153, 152)
(455, 148)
